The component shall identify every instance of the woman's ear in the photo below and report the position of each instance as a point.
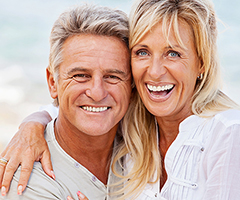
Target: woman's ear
(52, 85)
(201, 68)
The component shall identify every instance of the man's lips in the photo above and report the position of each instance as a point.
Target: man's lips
(95, 109)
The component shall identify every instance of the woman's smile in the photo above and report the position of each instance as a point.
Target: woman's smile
(165, 72)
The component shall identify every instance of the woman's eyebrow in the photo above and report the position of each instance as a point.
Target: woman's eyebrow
(140, 45)
(175, 46)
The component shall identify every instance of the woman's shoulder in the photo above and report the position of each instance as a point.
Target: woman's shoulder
(228, 117)
(223, 131)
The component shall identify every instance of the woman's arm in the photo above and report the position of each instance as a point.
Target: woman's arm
(27, 145)
(223, 164)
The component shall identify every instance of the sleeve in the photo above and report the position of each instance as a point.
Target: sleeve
(223, 164)
(51, 109)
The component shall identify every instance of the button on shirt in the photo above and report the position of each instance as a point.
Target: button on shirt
(203, 162)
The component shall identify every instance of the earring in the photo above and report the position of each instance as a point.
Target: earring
(200, 77)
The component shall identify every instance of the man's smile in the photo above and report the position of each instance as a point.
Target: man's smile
(94, 109)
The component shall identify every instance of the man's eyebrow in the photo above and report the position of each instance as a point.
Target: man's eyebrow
(77, 69)
(110, 71)
(116, 71)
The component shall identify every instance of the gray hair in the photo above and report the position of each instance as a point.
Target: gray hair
(85, 19)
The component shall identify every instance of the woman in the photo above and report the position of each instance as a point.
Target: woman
(176, 72)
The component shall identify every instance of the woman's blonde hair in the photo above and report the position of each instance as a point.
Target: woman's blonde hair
(139, 125)
(208, 99)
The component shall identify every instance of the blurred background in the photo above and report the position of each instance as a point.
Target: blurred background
(24, 31)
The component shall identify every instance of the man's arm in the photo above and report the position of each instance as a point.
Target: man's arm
(27, 145)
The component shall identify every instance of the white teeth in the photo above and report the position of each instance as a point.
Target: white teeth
(159, 88)
(94, 109)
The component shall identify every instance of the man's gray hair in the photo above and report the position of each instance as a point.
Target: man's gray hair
(85, 19)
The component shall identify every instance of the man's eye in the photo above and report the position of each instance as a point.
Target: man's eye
(80, 77)
(112, 79)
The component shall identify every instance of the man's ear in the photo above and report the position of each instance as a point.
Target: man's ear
(52, 85)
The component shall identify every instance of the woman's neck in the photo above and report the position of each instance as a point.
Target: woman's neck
(168, 128)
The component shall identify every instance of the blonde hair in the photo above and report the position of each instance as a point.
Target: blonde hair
(140, 142)
(85, 19)
(208, 99)
(139, 127)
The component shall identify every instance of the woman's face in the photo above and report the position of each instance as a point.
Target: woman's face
(165, 73)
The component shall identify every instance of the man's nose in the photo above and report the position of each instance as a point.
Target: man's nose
(157, 68)
(97, 90)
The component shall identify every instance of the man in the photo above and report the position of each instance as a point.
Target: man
(89, 77)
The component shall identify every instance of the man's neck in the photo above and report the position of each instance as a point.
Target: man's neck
(93, 152)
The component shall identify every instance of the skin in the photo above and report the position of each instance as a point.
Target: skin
(94, 72)
(22, 146)
(95, 75)
(80, 195)
(157, 63)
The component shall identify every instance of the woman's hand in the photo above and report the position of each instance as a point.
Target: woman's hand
(27, 145)
(81, 196)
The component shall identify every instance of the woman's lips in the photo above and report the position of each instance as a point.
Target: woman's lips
(160, 91)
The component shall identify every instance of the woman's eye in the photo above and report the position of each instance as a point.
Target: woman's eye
(173, 54)
(141, 53)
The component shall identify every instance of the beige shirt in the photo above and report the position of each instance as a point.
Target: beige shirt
(71, 177)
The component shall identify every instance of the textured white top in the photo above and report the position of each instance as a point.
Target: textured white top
(203, 162)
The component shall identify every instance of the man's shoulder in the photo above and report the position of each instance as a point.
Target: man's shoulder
(40, 185)
(49, 131)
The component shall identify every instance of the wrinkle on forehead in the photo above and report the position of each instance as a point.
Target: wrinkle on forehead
(104, 52)
(91, 44)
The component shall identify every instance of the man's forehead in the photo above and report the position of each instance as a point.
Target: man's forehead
(91, 42)
(93, 52)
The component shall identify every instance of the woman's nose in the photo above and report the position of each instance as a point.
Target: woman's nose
(157, 68)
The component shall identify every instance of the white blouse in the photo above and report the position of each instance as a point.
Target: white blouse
(203, 162)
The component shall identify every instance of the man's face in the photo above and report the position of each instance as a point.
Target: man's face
(94, 85)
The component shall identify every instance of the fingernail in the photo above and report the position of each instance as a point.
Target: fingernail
(53, 175)
(81, 195)
(19, 190)
(3, 191)
(69, 198)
